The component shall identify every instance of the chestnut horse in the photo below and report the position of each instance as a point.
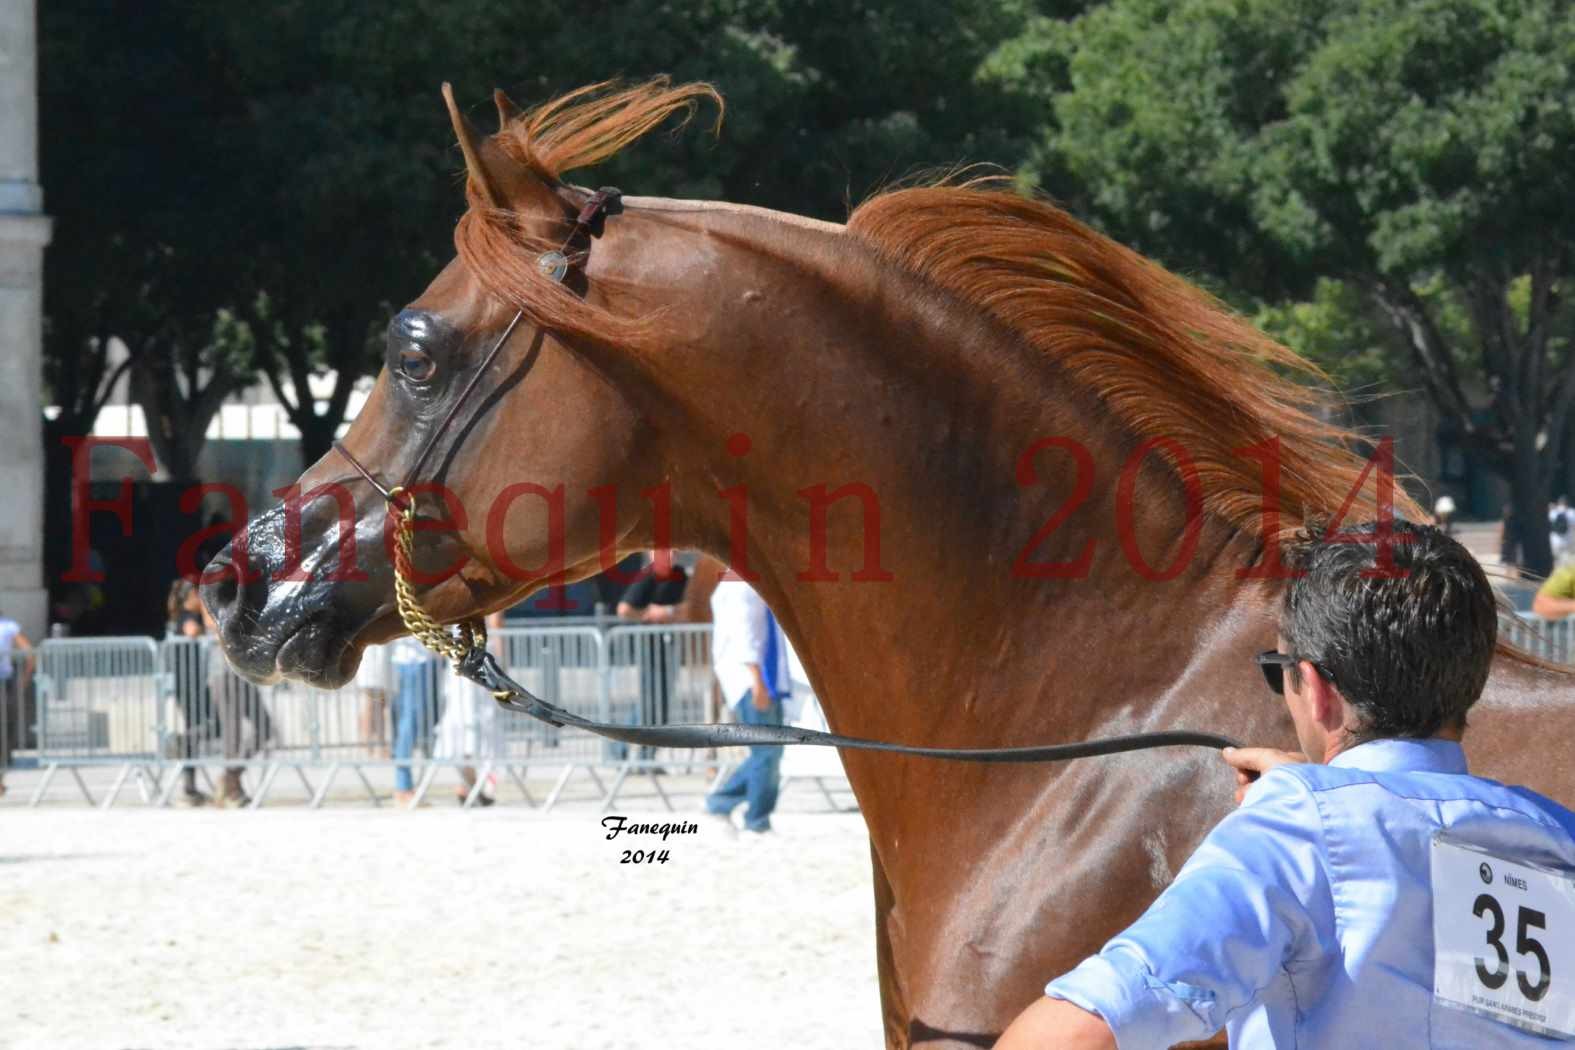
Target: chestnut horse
(1004, 482)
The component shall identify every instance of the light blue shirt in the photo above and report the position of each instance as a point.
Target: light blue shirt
(1305, 918)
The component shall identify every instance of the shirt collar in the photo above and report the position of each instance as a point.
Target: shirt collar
(1404, 756)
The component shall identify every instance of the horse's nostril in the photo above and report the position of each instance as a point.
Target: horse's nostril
(223, 585)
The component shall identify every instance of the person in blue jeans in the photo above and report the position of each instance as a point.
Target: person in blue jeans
(746, 655)
(415, 676)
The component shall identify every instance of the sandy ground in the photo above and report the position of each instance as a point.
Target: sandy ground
(361, 927)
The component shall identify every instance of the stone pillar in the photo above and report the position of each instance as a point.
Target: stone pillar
(24, 230)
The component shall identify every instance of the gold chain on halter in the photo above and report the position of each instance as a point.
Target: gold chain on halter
(455, 644)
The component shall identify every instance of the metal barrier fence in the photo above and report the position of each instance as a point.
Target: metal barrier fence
(155, 710)
(152, 710)
(1550, 639)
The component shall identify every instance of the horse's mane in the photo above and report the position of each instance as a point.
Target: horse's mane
(1168, 359)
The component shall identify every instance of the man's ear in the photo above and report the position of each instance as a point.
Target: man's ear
(501, 181)
(1324, 701)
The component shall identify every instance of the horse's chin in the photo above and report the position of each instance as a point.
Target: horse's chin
(314, 654)
(318, 656)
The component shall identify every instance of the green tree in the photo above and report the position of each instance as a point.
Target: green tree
(139, 203)
(1420, 152)
(268, 183)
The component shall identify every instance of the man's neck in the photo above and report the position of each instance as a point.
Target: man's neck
(1345, 738)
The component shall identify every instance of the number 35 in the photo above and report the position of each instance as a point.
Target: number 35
(1526, 919)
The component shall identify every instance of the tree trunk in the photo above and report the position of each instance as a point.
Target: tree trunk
(178, 419)
(317, 437)
(1565, 486)
(1529, 493)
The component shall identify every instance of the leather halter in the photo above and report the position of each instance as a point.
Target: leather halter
(468, 651)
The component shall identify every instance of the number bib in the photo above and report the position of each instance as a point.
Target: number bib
(1504, 939)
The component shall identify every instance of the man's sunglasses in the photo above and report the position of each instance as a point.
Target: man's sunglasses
(1273, 663)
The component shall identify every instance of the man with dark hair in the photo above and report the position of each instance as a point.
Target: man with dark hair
(1368, 892)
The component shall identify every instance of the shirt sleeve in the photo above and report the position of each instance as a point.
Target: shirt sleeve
(638, 593)
(1252, 898)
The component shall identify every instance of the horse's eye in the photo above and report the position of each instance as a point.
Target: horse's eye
(417, 365)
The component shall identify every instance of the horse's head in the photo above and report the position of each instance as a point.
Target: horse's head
(524, 464)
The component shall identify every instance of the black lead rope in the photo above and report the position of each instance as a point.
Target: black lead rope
(481, 667)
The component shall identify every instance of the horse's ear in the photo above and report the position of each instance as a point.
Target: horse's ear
(471, 144)
(508, 112)
(504, 182)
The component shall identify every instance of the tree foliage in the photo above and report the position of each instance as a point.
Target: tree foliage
(1419, 152)
(255, 188)
(140, 216)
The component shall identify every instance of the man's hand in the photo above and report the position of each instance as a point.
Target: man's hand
(1252, 762)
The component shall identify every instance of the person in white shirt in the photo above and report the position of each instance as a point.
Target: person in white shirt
(469, 732)
(746, 654)
(1559, 528)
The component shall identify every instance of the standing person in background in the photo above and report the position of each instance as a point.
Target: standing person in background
(16, 674)
(657, 593)
(415, 700)
(655, 597)
(244, 722)
(469, 726)
(1509, 543)
(1555, 599)
(1559, 528)
(746, 654)
(192, 705)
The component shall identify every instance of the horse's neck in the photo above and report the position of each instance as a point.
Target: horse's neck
(842, 371)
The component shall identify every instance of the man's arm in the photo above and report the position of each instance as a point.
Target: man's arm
(1057, 1023)
(636, 596)
(1550, 608)
(761, 695)
(1253, 896)
(24, 669)
(1556, 597)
